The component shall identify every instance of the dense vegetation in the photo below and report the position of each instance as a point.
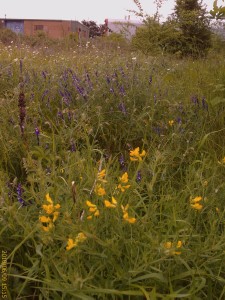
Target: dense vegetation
(111, 172)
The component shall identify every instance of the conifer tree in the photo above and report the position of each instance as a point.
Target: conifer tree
(192, 21)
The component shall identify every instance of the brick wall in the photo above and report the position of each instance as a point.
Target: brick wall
(53, 28)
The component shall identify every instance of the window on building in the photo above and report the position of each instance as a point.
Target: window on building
(38, 27)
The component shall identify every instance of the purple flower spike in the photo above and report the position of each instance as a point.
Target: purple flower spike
(19, 194)
(122, 108)
(138, 178)
(37, 132)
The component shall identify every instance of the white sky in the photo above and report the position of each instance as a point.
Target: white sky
(96, 10)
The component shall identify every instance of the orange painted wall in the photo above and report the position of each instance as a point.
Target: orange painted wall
(54, 29)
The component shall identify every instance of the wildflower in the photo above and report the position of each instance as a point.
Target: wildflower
(52, 211)
(171, 248)
(135, 154)
(126, 215)
(122, 162)
(100, 191)
(196, 200)
(92, 209)
(112, 204)
(195, 203)
(101, 175)
(122, 108)
(80, 238)
(37, 132)
(223, 160)
(123, 188)
(19, 194)
(197, 206)
(138, 177)
(70, 244)
(124, 178)
(171, 122)
(44, 219)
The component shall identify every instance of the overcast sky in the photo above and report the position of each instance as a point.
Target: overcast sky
(97, 10)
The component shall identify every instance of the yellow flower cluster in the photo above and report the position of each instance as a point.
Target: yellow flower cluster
(171, 122)
(92, 209)
(99, 190)
(101, 176)
(80, 238)
(171, 248)
(135, 154)
(112, 204)
(223, 160)
(195, 203)
(123, 180)
(126, 216)
(51, 210)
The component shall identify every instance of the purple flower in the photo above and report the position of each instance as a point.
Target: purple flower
(37, 132)
(204, 104)
(19, 191)
(122, 108)
(73, 147)
(138, 177)
(194, 99)
(122, 91)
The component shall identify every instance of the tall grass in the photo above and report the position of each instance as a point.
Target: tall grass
(87, 110)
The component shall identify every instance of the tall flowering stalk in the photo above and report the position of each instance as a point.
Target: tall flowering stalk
(22, 108)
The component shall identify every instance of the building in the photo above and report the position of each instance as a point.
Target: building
(55, 29)
(126, 27)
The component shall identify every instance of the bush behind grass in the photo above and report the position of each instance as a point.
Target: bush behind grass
(91, 110)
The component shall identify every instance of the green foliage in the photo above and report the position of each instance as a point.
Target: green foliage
(155, 38)
(7, 36)
(193, 23)
(218, 12)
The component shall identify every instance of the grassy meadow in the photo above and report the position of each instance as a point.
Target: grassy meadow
(112, 174)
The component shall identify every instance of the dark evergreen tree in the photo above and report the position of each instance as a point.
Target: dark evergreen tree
(192, 21)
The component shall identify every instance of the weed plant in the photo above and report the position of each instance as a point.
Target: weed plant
(112, 174)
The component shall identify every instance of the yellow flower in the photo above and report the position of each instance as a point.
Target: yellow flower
(130, 220)
(196, 199)
(126, 216)
(135, 154)
(49, 209)
(97, 213)
(81, 237)
(197, 206)
(92, 209)
(168, 245)
(112, 204)
(171, 122)
(171, 248)
(195, 203)
(101, 176)
(48, 198)
(44, 219)
(123, 188)
(223, 160)
(57, 206)
(124, 178)
(100, 191)
(89, 204)
(48, 227)
(70, 244)
(55, 216)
